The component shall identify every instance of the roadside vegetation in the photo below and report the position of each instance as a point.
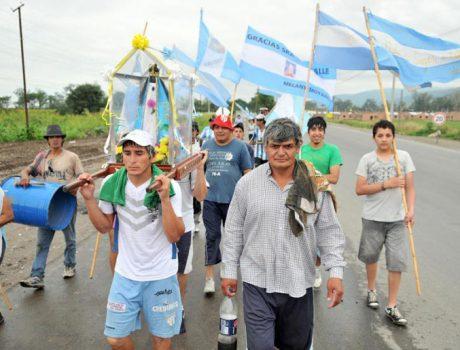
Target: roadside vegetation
(13, 125)
(450, 129)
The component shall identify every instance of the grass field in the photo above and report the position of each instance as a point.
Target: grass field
(203, 120)
(13, 125)
(450, 130)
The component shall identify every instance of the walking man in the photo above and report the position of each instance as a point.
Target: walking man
(383, 215)
(228, 160)
(6, 216)
(257, 141)
(149, 225)
(59, 165)
(276, 221)
(326, 158)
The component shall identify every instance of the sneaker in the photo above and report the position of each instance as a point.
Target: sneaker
(69, 272)
(318, 279)
(372, 301)
(33, 282)
(209, 287)
(2, 319)
(395, 316)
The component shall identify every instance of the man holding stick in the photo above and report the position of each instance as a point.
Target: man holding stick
(149, 226)
(59, 165)
(383, 215)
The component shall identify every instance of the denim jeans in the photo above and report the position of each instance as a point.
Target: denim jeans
(44, 239)
(214, 215)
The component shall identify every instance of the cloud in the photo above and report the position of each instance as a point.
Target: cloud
(78, 41)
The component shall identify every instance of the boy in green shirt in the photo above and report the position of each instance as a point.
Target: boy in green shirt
(327, 160)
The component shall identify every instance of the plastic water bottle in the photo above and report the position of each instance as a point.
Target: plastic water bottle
(228, 324)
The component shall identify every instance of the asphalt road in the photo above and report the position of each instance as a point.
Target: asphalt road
(70, 314)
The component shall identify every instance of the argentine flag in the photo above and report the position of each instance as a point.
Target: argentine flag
(289, 106)
(269, 63)
(213, 58)
(342, 47)
(208, 86)
(417, 58)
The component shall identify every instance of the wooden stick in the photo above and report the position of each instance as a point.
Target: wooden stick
(5, 298)
(310, 66)
(395, 153)
(232, 108)
(95, 252)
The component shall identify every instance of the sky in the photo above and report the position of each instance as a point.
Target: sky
(79, 41)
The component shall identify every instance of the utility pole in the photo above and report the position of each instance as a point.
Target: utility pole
(26, 110)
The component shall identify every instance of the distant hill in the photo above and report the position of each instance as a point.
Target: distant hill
(358, 99)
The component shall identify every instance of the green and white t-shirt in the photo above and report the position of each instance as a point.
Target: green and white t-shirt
(323, 158)
(144, 252)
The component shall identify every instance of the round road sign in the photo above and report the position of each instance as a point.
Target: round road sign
(439, 118)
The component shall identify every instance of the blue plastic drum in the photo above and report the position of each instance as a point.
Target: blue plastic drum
(42, 204)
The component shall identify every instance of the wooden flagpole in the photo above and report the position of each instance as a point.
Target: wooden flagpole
(95, 252)
(232, 108)
(5, 298)
(395, 153)
(310, 67)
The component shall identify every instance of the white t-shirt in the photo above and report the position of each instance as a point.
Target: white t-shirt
(144, 252)
(385, 206)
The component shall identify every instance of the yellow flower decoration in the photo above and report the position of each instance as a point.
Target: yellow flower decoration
(140, 42)
(159, 157)
(161, 150)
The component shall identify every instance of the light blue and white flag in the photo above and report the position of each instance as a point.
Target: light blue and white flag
(342, 47)
(208, 86)
(418, 58)
(269, 63)
(214, 58)
(289, 106)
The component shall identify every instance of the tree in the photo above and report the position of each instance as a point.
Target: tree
(311, 106)
(41, 97)
(444, 104)
(343, 105)
(259, 100)
(204, 106)
(85, 96)
(57, 102)
(421, 102)
(4, 102)
(242, 103)
(19, 97)
(370, 105)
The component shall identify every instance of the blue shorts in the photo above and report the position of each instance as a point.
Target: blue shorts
(159, 300)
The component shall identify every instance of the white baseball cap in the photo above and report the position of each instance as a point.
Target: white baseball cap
(139, 137)
(260, 117)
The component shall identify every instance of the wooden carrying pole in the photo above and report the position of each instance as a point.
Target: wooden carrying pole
(395, 153)
(5, 298)
(310, 67)
(95, 252)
